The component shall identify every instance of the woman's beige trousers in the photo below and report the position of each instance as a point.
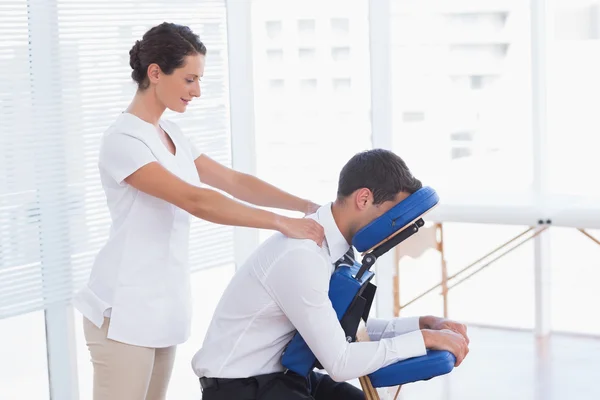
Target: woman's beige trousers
(126, 372)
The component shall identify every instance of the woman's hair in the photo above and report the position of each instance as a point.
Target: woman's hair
(167, 45)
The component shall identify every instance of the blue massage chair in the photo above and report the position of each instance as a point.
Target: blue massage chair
(351, 293)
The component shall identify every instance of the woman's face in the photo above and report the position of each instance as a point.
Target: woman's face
(176, 90)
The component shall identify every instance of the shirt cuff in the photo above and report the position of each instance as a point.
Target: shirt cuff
(409, 345)
(383, 329)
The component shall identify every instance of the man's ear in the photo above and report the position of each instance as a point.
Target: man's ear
(363, 198)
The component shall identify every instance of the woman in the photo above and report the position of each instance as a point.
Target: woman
(137, 303)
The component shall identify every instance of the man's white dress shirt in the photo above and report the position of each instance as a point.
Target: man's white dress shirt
(281, 288)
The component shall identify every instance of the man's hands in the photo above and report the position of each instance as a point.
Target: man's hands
(444, 334)
(437, 324)
(446, 340)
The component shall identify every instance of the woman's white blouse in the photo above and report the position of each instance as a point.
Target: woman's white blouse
(141, 278)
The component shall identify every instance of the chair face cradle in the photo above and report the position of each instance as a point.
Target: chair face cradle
(351, 293)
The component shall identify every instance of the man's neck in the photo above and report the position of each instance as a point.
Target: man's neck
(343, 221)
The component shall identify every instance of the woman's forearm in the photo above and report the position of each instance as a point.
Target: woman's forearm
(258, 192)
(212, 206)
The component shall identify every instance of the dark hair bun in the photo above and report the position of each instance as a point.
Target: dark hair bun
(135, 62)
(166, 45)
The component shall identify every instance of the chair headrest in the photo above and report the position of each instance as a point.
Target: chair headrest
(398, 217)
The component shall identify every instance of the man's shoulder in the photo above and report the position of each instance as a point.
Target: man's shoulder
(283, 246)
(280, 250)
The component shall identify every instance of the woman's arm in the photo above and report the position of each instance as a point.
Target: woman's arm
(249, 188)
(212, 206)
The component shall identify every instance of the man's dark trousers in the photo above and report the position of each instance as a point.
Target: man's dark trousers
(280, 386)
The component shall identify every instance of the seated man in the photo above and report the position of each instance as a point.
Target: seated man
(283, 287)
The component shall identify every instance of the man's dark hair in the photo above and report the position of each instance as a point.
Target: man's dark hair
(381, 171)
(167, 45)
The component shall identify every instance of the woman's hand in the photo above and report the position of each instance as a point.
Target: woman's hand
(302, 228)
(310, 208)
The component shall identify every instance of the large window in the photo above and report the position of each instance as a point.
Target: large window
(573, 93)
(312, 91)
(573, 122)
(461, 95)
(19, 229)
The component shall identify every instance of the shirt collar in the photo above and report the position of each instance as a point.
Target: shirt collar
(335, 240)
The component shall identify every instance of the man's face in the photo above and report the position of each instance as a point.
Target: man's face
(369, 211)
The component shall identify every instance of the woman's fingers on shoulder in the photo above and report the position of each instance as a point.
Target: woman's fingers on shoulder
(318, 226)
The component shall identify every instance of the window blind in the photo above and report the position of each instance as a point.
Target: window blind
(68, 79)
